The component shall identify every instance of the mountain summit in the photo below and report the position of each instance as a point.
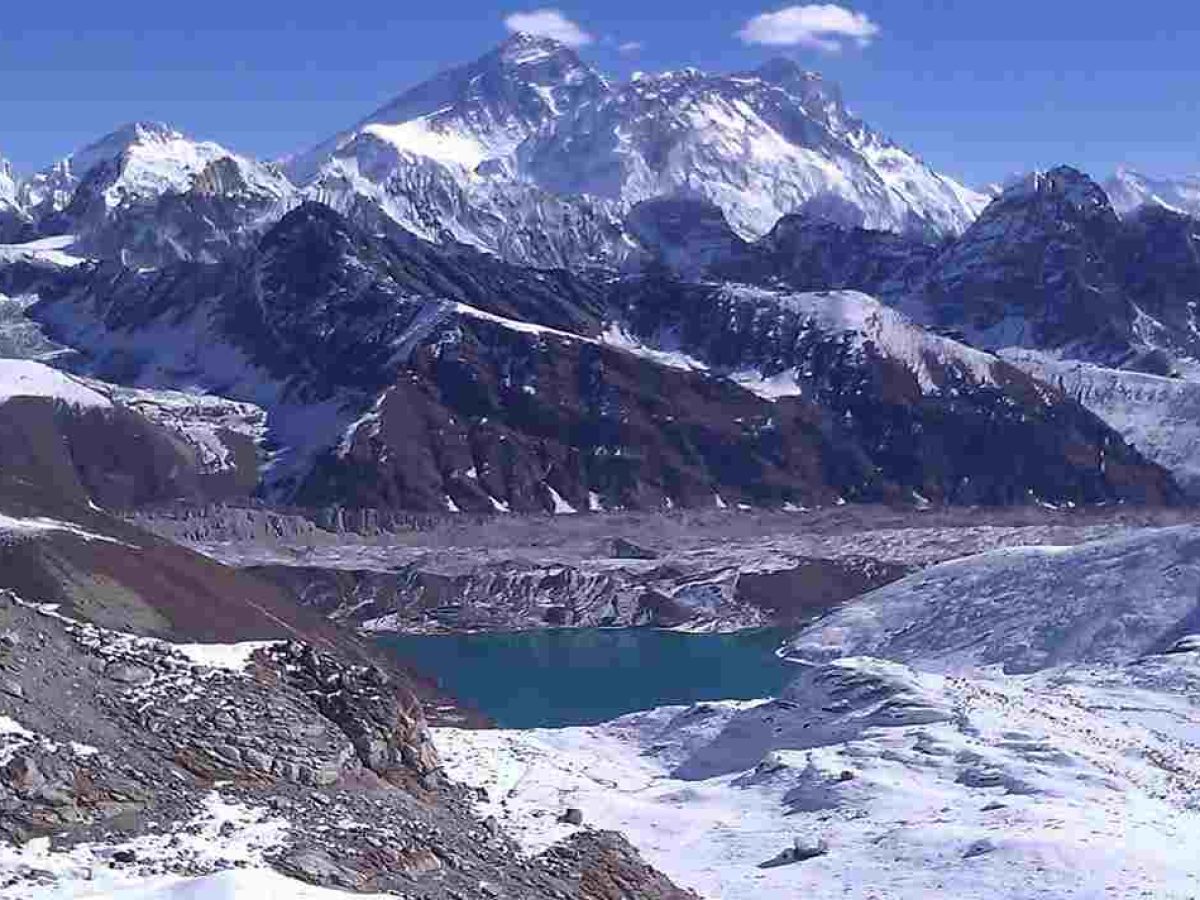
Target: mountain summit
(472, 113)
(528, 137)
(758, 144)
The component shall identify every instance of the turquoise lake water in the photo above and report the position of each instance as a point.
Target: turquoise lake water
(578, 677)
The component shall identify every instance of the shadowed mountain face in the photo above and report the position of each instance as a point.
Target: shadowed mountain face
(400, 374)
(1048, 265)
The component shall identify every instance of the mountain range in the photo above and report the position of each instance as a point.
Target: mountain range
(520, 287)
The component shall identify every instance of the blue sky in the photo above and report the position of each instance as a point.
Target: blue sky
(981, 90)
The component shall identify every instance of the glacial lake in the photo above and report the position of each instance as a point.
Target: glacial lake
(560, 677)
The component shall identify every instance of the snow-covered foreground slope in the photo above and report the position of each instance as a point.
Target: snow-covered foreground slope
(922, 770)
(241, 884)
(1026, 608)
(1066, 784)
(228, 833)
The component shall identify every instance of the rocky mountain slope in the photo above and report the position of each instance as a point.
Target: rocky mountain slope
(67, 441)
(1050, 276)
(560, 391)
(342, 301)
(220, 728)
(175, 761)
(1050, 264)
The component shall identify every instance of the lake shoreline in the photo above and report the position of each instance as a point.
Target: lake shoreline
(570, 677)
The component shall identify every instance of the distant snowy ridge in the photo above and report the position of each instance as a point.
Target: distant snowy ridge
(758, 144)
(529, 137)
(1129, 191)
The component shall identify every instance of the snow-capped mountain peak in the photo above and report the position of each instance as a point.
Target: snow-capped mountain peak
(529, 133)
(758, 144)
(475, 112)
(148, 194)
(137, 162)
(1061, 185)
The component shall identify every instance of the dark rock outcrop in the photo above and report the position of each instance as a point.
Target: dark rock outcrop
(384, 725)
(1050, 265)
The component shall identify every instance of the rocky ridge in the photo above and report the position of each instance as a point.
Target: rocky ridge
(558, 391)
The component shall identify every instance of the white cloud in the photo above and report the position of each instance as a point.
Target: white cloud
(549, 23)
(821, 26)
(630, 47)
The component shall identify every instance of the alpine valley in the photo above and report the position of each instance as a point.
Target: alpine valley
(527, 349)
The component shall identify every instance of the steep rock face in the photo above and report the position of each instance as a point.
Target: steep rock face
(808, 253)
(493, 415)
(14, 220)
(1050, 266)
(310, 327)
(1160, 259)
(325, 315)
(371, 182)
(147, 194)
(689, 237)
